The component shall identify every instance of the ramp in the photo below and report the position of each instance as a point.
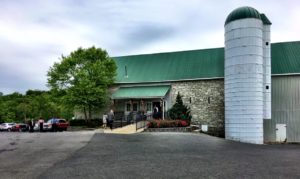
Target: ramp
(129, 129)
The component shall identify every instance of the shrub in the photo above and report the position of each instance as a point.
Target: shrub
(77, 122)
(82, 122)
(167, 123)
(179, 110)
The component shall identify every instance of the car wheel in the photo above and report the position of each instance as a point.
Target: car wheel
(9, 129)
(20, 130)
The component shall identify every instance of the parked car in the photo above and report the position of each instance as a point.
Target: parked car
(20, 127)
(6, 126)
(56, 125)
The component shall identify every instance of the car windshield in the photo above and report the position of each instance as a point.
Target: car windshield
(62, 121)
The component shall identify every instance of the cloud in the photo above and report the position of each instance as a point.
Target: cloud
(34, 34)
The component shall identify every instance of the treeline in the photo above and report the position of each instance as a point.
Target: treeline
(34, 104)
(80, 82)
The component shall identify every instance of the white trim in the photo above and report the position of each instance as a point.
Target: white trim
(151, 106)
(195, 79)
(143, 85)
(163, 109)
(286, 74)
(142, 97)
(126, 107)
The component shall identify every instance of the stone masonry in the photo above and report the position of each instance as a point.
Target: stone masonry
(206, 101)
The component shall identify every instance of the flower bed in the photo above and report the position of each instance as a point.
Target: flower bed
(167, 123)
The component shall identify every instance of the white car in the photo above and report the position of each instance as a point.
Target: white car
(6, 126)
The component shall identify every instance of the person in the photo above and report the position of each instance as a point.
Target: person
(54, 124)
(155, 112)
(110, 119)
(104, 121)
(31, 125)
(41, 122)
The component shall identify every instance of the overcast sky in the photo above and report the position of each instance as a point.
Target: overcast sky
(35, 33)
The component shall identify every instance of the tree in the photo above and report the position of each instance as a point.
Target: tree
(23, 110)
(36, 103)
(179, 110)
(84, 77)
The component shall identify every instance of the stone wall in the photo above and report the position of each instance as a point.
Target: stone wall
(206, 101)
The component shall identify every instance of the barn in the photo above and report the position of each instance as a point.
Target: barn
(198, 75)
(248, 90)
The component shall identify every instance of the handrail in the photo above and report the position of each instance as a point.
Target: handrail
(122, 120)
(143, 118)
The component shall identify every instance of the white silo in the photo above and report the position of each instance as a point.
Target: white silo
(267, 66)
(246, 75)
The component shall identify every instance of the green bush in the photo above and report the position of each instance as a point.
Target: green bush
(179, 111)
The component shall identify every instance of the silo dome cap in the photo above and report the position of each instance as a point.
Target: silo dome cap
(243, 13)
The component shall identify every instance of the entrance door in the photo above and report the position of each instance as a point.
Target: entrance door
(158, 114)
(280, 132)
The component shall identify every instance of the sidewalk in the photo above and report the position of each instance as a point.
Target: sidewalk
(129, 129)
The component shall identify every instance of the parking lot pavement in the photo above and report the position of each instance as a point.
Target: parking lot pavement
(176, 155)
(27, 155)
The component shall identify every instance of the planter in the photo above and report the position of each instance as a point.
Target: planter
(174, 129)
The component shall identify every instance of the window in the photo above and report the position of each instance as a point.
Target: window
(135, 107)
(208, 100)
(126, 75)
(149, 106)
(267, 87)
(128, 107)
(267, 43)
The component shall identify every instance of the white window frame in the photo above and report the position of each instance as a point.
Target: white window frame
(127, 103)
(149, 103)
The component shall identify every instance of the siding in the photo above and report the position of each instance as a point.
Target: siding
(285, 108)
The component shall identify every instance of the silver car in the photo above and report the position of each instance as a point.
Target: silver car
(6, 126)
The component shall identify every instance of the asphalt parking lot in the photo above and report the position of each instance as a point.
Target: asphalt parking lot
(28, 155)
(176, 155)
(89, 154)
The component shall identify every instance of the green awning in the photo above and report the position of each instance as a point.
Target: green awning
(141, 92)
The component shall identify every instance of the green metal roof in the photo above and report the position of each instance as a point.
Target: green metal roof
(141, 92)
(265, 19)
(171, 66)
(242, 13)
(285, 58)
(197, 64)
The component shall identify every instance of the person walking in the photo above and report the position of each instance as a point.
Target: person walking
(111, 117)
(31, 125)
(41, 123)
(104, 121)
